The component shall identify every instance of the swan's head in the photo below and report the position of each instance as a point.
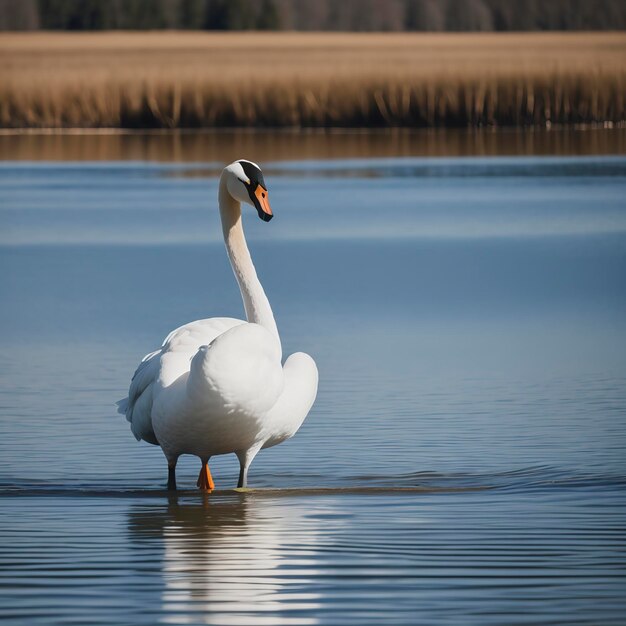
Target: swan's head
(245, 183)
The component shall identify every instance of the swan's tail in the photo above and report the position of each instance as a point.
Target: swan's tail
(122, 406)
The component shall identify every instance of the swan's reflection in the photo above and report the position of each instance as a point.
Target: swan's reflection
(232, 560)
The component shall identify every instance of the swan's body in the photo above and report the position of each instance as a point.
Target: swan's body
(217, 385)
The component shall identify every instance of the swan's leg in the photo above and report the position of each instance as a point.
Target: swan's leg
(243, 476)
(245, 458)
(205, 480)
(171, 475)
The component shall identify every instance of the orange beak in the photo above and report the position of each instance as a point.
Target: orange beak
(263, 204)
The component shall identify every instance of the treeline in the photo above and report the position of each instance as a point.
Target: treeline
(314, 15)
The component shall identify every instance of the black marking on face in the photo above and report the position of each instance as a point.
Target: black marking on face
(254, 174)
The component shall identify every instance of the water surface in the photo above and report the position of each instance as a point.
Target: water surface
(464, 462)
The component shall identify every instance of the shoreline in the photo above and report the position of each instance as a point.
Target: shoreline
(262, 145)
(311, 130)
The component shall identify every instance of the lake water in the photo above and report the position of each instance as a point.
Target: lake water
(465, 461)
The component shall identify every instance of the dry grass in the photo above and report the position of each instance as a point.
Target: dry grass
(156, 80)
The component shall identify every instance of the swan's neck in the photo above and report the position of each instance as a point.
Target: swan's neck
(255, 302)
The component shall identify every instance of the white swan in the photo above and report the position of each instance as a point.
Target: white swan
(217, 385)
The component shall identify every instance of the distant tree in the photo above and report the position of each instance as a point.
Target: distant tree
(216, 15)
(93, 15)
(339, 15)
(117, 14)
(269, 16)
(310, 14)
(16, 15)
(285, 10)
(171, 13)
(611, 16)
(230, 15)
(54, 14)
(146, 14)
(468, 15)
(502, 13)
(106, 14)
(240, 14)
(191, 14)
(386, 15)
(424, 15)
(360, 18)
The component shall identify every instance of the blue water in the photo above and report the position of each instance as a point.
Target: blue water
(468, 318)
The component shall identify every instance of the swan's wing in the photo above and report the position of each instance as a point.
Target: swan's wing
(238, 373)
(137, 407)
(294, 404)
(180, 345)
(189, 337)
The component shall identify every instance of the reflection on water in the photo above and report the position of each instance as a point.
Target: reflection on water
(339, 559)
(534, 555)
(225, 560)
(264, 146)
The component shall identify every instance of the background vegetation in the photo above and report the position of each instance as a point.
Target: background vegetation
(217, 80)
(314, 15)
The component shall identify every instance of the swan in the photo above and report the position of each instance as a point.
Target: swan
(217, 386)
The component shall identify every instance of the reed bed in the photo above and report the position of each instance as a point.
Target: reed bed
(214, 80)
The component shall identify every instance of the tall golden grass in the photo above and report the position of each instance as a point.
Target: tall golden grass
(191, 80)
